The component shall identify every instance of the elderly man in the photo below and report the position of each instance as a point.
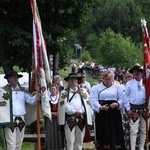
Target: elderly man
(58, 81)
(14, 132)
(135, 107)
(74, 112)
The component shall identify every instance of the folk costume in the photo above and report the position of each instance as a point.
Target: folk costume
(14, 133)
(135, 101)
(74, 126)
(109, 132)
(54, 136)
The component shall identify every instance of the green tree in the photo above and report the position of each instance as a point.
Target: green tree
(91, 41)
(58, 18)
(115, 50)
(122, 16)
(85, 56)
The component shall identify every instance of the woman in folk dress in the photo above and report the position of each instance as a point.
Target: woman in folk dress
(107, 101)
(54, 137)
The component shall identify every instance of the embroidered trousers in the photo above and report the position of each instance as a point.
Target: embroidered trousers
(135, 127)
(74, 138)
(14, 138)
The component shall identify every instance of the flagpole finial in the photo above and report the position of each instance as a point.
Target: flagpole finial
(143, 22)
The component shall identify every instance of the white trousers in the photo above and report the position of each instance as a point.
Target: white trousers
(74, 138)
(135, 127)
(14, 139)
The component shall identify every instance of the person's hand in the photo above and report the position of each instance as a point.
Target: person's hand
(114, 105)
(129, 113)
(54, 114)
(104, 107)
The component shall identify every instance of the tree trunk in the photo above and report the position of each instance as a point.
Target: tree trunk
(55, 63)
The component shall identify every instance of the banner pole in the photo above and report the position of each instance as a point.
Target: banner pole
(38, 116)
(38, 126)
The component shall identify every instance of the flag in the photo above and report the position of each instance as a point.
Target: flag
(41, 68)
(146, 54)
(146, 72)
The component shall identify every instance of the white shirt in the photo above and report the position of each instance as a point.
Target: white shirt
(75, 104)
(92, 64)
(113, 92)
(133, 94)
(19, 98)
(81, 65)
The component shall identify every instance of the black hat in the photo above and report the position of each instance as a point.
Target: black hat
(13, 73)
(136, 67)
(72, 75)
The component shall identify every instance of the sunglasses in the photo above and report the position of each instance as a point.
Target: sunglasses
(83, 76)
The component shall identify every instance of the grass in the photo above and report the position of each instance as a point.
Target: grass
(63, 74)
(27, 146)
(92, 80)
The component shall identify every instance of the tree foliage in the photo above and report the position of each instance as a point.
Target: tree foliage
(58, 18)
(121, 16)
(115, 50)
(85, 56)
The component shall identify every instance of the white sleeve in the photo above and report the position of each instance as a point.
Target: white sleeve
(127, 97)
(30, 99)
(93, 99)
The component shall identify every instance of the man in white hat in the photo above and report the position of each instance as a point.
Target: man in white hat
(74, 112)
(135, 106)
(14, 132)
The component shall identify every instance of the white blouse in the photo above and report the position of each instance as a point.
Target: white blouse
(101, 92)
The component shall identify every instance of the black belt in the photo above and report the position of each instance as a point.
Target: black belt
(138, 107)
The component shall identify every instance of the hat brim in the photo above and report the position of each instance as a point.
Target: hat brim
(131, 70)
(19, 76)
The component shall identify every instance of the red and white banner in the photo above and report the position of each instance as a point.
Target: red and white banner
(40, 60)
(146, 65)
(146, 74)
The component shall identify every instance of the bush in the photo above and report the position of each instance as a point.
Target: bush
(85, 56)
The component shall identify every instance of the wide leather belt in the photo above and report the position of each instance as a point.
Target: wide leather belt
(73, 121)
(18, 122)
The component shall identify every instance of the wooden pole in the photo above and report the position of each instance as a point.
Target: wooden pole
(38, 125)
(38, 116)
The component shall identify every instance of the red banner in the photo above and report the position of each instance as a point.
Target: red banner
(146, 65)
(146, 73)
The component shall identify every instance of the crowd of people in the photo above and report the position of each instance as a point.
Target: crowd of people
(92, 68)
(116, 110)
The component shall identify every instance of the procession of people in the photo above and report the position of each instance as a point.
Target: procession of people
(116, 111)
